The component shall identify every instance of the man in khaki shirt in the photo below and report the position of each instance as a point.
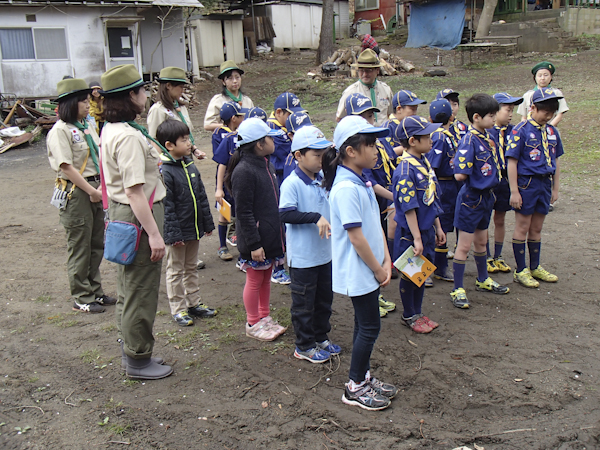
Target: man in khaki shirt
(380, 93)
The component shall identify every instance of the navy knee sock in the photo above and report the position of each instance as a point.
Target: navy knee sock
(487, 249)
(407, 295)
(481, 263)
(498, 249)
(519, 251)
(534, 253)
(418, 298)
(459, 272)
(441, 259)
(222, 227)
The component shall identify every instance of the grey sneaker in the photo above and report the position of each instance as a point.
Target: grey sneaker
(365, 398)
(385, 389)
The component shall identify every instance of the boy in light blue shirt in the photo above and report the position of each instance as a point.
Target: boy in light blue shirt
(304, 207)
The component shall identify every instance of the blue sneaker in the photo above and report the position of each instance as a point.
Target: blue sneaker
(281, 277)
(314, 355)
(329, 347)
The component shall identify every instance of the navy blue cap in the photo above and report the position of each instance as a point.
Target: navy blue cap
(257, 112)
(441, 106)
(288, 102)
(406, 98)
(541, 95)
(504, 98)
(446, 93)
(230, 109)
(296, 121)
(415, 126)
(358, 103)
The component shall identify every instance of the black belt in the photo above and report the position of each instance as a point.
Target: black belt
(93, 178)
(540, 177)
(482, 191)
(445, 178)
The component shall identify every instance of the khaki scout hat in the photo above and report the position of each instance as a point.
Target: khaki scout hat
(367, 59)
(228, 66)
(121, 78)
(71, 86)
(173, 74)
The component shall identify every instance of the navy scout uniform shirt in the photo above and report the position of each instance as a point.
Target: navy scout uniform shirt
(536, 154)
(476, 157)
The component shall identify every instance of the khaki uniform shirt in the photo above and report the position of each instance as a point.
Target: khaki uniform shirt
(158, 114)
(67, 145)
(525, 107)
(128, 159)
(213, 112)
(383, 97)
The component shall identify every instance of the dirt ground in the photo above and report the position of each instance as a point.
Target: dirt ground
(514, 372)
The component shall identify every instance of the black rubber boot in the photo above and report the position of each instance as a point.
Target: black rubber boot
(146, 369)
(156, 359)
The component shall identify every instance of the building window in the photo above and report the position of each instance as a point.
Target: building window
(366, 5)
(30, 18)
(33, 43)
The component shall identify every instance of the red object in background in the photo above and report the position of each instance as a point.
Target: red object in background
(368, 42)
(386, 7)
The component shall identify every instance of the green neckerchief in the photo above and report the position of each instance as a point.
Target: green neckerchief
(536, 88)
(94, 151)
(180, 114)
(229, 94)
(140, 128)
(373, 95)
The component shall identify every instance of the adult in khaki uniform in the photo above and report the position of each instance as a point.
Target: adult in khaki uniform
(231, 77)
(381, 94)
(130, 167)
(73, 153)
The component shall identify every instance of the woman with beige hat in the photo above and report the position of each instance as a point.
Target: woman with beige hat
(130, 166)
(231, 77)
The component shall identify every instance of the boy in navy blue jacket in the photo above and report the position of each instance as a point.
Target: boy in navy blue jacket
(187, 219)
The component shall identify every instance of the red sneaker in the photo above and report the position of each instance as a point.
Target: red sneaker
(433, 325)
(417, 324)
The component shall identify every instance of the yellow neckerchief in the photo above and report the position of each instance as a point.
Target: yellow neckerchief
(491, 145)
(450, 135)
(501, 142)
(455, 127)
(386, 162)
(274, 121)
(544, 133)
(427, 171)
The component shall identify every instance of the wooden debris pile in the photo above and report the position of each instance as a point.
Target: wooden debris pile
(188, 98)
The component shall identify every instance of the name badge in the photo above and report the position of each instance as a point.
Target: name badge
(76, 137)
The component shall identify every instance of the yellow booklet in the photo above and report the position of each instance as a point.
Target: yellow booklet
(225, 209)
(417, 269)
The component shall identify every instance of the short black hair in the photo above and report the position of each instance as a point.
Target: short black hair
(482, 104)
(171, 130)
(453, 97)
(548, 105)
(303, 151)
(404, 142)
(442, 118)
(68, 107)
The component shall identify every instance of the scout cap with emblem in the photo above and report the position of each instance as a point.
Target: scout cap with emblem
(251, 130)
(310, 137)
(440, 110)
(367, 59)
(406, 98)
(172, 74)
(288, 102)
(448, 94)
(230, 109)
(296, 121)
(504, 98)
(358, 104)
(352, 125)
(120, 79)
(416, 126)
(70, 86)
(541, 95)
(227, 67)
(257, 112)
(543, 65)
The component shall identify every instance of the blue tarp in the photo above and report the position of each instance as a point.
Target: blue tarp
(436, 24)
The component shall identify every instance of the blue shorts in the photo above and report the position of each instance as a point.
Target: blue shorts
(450, 190)
(536, 192)
(473, 209)
(502, 193)
(404, 239)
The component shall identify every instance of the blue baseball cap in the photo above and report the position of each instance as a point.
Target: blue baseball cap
(446, 93)
(415, 126)
(503, 98)
(257, 112)
(310, 137)
(253, 129)
(288, 102)
(297, 120)
(358, 104)
(541, 95)
(230, 109)
(441, 106)
(406, 98)
(352, 125)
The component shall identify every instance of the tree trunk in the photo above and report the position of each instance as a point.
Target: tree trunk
(326, 40)
(485, 21)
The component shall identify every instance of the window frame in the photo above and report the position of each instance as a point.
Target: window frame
(35, 51)
(365, 8)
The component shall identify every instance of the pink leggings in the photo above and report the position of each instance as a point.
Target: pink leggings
(257, 293)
